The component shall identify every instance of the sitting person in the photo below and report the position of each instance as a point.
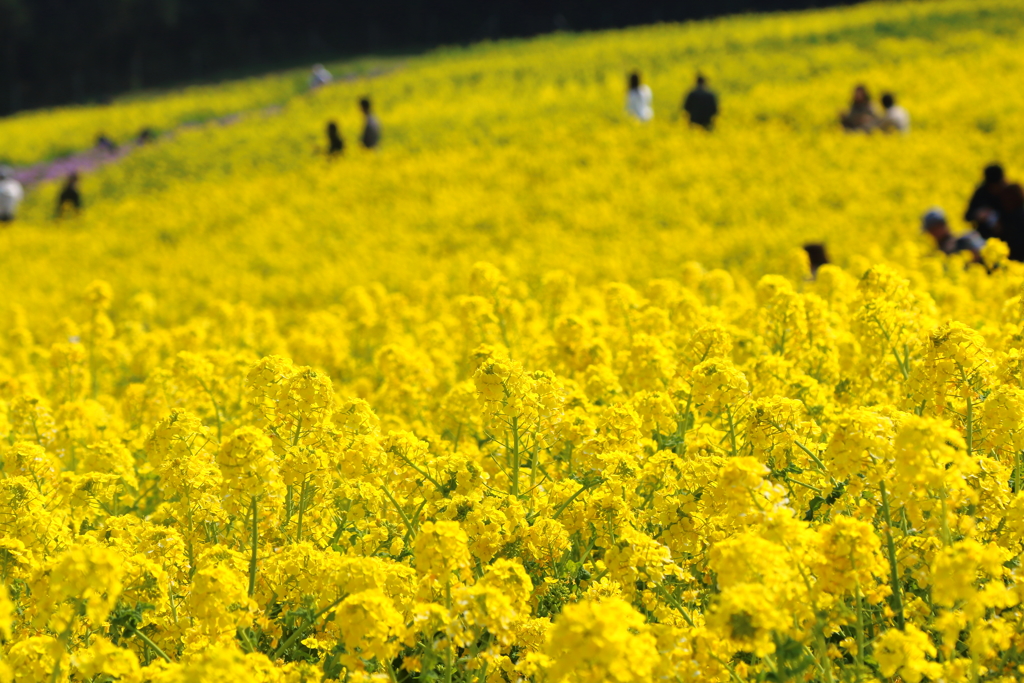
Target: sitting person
(861, 115)
(934, 223)
(895, 117)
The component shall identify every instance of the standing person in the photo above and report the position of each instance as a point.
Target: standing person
(319, 76)
(371, 127)
(1011, 219)
(861, 115)
(983, 209)
(895, 117)
(69, 194)
(701, 104)
(639, 99)
(935, 224)
(11, 194)
(335, 145)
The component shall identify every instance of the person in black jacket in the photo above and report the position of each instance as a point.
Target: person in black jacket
(983, 209)
(701, 104)
(1011, 219)
(69, 195)
(335, 145)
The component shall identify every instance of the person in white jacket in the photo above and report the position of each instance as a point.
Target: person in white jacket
(638, 100)
(11, 194)
(895, 117)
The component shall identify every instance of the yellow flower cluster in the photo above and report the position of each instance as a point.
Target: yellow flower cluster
(342, 422)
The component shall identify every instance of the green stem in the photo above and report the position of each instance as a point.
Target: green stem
(894, 577)
(449, 665)
(401, 512)
(144, 638)
(970, 426)
(860, 634)
(302, 510)
(391, 671)
(732, 431)
(1016, 472)
(255, 545)
(302, 629)
(561, 508)
(216, 408)
(515, 456)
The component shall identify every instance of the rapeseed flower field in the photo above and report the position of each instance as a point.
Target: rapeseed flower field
(532, 392)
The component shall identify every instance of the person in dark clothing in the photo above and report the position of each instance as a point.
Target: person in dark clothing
(69, 195)
(816, 257)
(105, 143)
(701, 104)
(371, 129)
(335, 145)
(862, 115)
(983, 209)
(934, 223)
(1011, 219)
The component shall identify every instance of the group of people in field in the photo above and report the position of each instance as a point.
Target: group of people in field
(865, 117)
(700, 104)
(996, 210)
(12, 193)
(369, 138)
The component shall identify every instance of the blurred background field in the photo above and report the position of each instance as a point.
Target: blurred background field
(520, 153)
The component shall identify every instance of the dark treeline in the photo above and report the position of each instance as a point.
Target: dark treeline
(64, 51)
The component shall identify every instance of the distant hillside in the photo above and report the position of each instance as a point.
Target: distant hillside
(55, 52)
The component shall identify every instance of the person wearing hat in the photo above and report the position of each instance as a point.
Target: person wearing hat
(11, 194)
(934, 223)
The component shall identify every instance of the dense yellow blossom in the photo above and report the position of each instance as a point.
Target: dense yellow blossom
(532, 392)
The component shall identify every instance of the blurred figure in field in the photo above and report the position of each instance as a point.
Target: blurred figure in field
(895, 117)
(105, 143)
(701, 104)
(69, 195)
(1011, 219)
(816, 257)
(639, 99)
(146, 135)
(11, 194)
(861, 115)
(983, 209)
(371, 125)
(319, 76)
(335, 145)
(935, 224)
